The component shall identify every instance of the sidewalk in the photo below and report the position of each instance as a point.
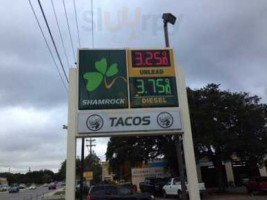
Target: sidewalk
(52, 193)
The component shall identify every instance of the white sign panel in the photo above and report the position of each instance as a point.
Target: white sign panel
(150, 172)
(125, 122)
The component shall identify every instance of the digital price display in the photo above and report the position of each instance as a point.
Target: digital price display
(152, 78)
(150, 58)
(153, 86)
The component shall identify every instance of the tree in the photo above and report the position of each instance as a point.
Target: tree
(62, 170)
(134, 150)
(95, 167)
(92, 163)
(224, 124)
(38, 177)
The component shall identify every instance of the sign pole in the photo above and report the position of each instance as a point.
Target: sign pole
(82, 170)
(71, 143)
(189, 153)
(178, 140)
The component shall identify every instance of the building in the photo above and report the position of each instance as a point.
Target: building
(235, 172)
(106, 175)
(3, 181)
(151, 169)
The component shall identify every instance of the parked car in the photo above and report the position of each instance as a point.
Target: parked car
(32, 187)
(4, 188)
(153, 185)
(257, 184)
(174, 187)
(22, 186)
(13, 189)
(130, 186)
(99, 192)
(52, 187)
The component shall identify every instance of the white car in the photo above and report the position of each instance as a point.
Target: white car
(32, 187)
(174, 187)
(3, 188)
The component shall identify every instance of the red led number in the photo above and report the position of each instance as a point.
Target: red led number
(157, 58)
(165, 60)
(138, 58)
(151, 58)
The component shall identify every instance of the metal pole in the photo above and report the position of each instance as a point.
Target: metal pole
(178, 140)
(166, 35)
(82, 169)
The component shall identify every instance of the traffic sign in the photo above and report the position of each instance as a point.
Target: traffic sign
(88, 175)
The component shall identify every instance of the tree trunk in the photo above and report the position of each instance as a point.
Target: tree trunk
(217, 163)
(220, 177)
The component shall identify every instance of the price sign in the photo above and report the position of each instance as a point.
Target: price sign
(150, 58)
(115, 85)
(152, 78)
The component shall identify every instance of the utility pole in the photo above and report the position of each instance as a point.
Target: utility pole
(90, 145)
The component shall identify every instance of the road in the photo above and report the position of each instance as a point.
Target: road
(25, 194)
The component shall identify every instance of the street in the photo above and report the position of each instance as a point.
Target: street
(25, 194)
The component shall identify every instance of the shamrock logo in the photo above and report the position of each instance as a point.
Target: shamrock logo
(94, 79)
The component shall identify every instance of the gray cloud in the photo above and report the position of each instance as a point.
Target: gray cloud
(215, 41)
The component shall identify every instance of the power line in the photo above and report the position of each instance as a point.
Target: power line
(77, 25)
(51, 36)
(92, 15)
(59, 30)
(51, 54)
(69, 29)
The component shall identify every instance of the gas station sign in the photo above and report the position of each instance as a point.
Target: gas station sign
(130, 91)
(116, 79)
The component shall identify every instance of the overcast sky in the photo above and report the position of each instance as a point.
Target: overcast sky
(223, 41)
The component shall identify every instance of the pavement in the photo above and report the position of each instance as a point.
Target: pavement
(52, 194)
(235, 193)
(54, 191)
(228, 197)
(236, 197)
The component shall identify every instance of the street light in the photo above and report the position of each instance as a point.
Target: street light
(167, 18)
(64, 126)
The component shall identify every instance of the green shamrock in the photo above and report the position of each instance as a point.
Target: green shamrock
(94, 79)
